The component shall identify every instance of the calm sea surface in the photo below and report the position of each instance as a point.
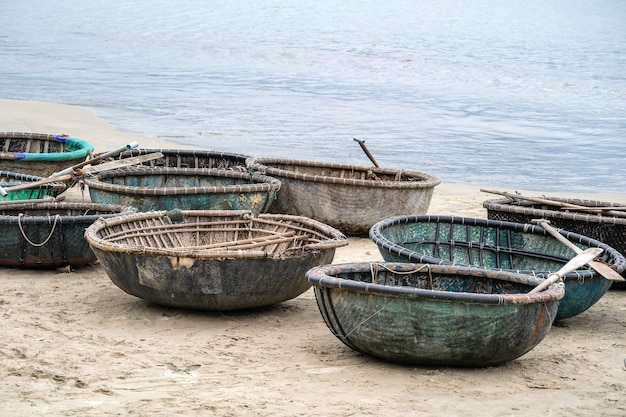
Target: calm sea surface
(510, 94)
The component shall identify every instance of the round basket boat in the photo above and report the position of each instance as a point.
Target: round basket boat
(156, 188)
(40, 154)
(191, 158)
(49, 235)
(349, 197)
(434, 314)
(10, 179)
(607, 226)
(212, 259)
(497, 245)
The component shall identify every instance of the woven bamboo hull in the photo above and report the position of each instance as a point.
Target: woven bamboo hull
(10, 179)
(168, 262)
(349, 198)
(442, 316)
(183, 158)
(606, 228)
(40, 154)
(497, 245)
(149, 189)
(62, 236)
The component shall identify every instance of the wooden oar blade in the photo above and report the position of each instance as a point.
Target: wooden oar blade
(576, 262)
(579, 260)
(120, 163)
(606, 271)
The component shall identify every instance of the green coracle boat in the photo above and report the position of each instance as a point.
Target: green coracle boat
(40, 154)
(436, 315)
(164, 188)
(448, 240)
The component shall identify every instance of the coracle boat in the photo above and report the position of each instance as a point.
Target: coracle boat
(438, 315)
(600, 220)
(191, 158)
(9, 179)
(40, 154)
(350, 198)
(212, 259)
(164, 188)
(524, 248)
(49, 234)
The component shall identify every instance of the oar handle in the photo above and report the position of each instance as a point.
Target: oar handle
(367, 152)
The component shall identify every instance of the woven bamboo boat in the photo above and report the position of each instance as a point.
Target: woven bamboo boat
(156, 188)
(437, 315)
(48, 235)
(9, 179)
(184, 158)
(40, 154)
(212, 259)
(349, 197)
(523, 248)
(601, 225)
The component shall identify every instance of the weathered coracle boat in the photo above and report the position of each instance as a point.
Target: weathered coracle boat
(191, 158)
(448, 240)
(439, 315)
(40, 154)
(9, 179)
(212, 259)
(49, 234)
(164, 188)
(600, 220)
(349, 197)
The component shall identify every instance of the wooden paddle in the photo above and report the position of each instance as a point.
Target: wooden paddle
(600, 267)
(574, 263)
(68, 173)
(560, 204)
(97, 158)
(367, 152)
(105, 166)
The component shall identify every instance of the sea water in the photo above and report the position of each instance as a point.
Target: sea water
(527, 94)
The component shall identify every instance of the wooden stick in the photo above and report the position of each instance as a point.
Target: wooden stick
(97, 158)
(367, 152)
(86, 170)
(602, 268)
(8, 204)
(48, 180)
(121, 163)
(248, 243)
(554, 203)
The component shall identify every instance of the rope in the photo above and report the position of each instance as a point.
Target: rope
(19, 222)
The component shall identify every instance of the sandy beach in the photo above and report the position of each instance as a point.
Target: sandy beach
(74, 344)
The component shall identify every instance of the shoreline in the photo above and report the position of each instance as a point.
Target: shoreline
(73, 343)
